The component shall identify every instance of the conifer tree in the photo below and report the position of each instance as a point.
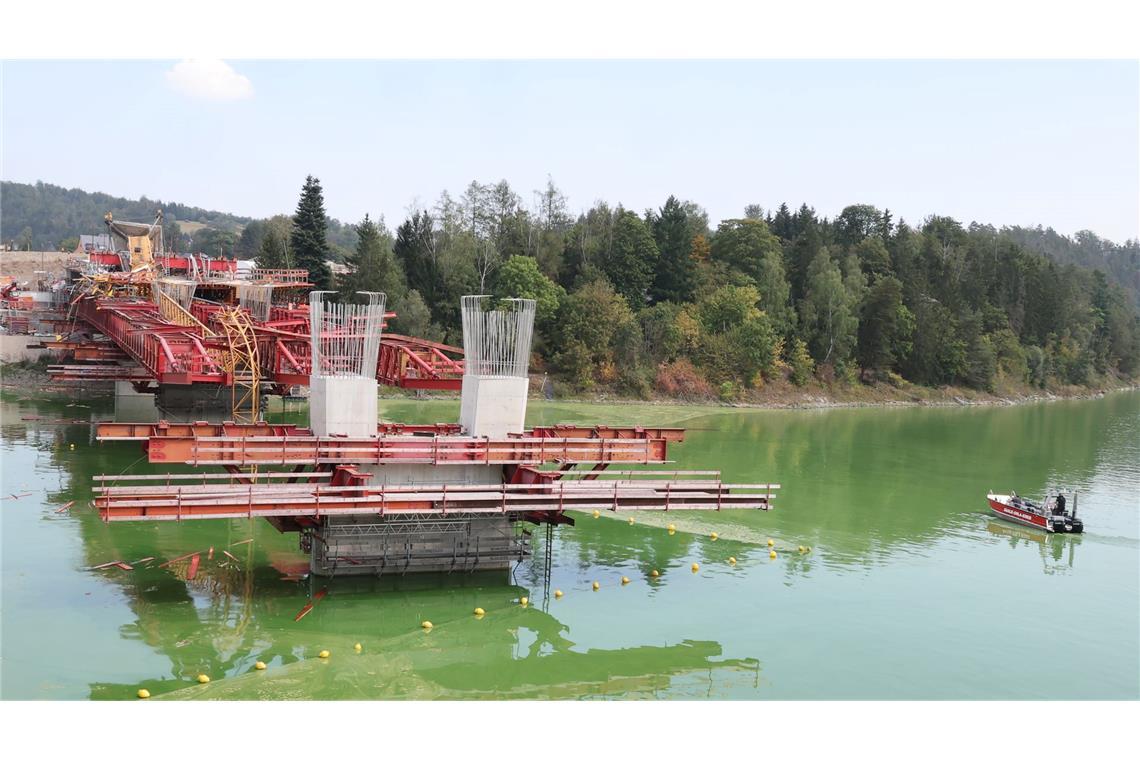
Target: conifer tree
(632, 259)
(309, 242)
(272, 253)
(374, 268)
(675, 279)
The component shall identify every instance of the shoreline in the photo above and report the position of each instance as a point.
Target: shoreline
(30, 378)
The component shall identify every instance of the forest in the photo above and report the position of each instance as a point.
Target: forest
(659, 302)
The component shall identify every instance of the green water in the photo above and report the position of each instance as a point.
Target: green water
(910, 590)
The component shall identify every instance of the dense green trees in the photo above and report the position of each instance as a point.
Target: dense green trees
(676, 275)
(373, 266)
(660, 301)
(632, 258)
(885, 327)
(273, 252)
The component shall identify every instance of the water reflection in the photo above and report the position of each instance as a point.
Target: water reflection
(1056, 551)
(892, 502)
(227, 618)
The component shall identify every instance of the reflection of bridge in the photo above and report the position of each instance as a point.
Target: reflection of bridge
(513, 653)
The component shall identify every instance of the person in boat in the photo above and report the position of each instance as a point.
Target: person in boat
(1059, 509)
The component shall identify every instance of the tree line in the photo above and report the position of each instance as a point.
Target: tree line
(46, 217)
(660, 302)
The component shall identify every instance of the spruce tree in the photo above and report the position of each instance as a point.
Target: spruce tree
(374, 268)
(632, 259)
(271, 254)
(677, 270)
(309, 242)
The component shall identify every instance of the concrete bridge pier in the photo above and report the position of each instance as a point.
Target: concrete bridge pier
(342, 401)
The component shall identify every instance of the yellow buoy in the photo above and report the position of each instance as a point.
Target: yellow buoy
(426, 625)
(597, 585)
(597, 513)
(631, 521)
(324, 654)
(479, 611)
(771, 542)
(624, 580)
(732, 560)
(203, 678)
(144, 694)
(357, 647)
(524, 601)
(558, 593)
(772, 554)
(259, 665)
(672, 527)
(695, 567)
(653, 573)
(713, 536)
(801, 549)
(71, 446)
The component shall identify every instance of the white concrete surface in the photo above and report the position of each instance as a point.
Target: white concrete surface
(493, 405)
(343, 406)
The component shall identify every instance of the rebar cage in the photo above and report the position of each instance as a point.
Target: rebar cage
(497, 335)
(257, 299)
(181, 291)
(345, 337)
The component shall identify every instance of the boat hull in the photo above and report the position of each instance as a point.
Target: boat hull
(1017, 515)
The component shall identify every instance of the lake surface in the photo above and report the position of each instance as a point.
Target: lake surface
(910, 590)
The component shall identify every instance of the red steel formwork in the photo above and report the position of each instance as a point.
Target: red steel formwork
(180, 354)
(171, 354)
(526, 493)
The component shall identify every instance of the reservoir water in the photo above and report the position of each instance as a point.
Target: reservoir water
(910, 589)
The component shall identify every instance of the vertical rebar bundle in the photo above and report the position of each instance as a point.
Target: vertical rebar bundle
(181, 291)
(345, 337)
(257, 299)
(496, 341)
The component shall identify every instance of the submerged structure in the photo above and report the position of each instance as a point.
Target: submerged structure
(364, 497)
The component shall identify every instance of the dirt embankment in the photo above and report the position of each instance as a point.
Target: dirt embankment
(24, 265)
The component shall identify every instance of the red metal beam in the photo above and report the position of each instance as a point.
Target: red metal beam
(228, 501)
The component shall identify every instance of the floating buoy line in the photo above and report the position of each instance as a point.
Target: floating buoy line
(480, 613)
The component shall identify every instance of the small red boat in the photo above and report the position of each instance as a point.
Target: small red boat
(1052, 516)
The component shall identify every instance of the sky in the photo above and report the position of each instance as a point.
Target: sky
(1053, 143)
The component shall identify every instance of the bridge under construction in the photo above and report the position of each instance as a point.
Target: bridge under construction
(364, 497)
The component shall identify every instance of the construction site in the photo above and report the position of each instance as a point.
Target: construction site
(195, 346)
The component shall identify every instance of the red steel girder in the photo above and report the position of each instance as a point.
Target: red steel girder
(244, 451)
(228, 501)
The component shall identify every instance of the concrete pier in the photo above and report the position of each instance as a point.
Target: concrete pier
(342, 401)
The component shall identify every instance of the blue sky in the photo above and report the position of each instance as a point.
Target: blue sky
(1051, 143)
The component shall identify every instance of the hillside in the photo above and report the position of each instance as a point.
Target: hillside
(54, 213)
(50, 214)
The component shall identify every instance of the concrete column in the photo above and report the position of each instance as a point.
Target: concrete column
(343, 405)
(493, 406)
(132, 406)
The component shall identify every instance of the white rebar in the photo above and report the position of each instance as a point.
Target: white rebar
(496, 341)
(181, 291)
(257, 298)
(345, 337)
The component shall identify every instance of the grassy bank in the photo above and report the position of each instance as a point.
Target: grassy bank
(29, 379)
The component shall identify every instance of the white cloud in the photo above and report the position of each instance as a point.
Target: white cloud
(209, 79)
